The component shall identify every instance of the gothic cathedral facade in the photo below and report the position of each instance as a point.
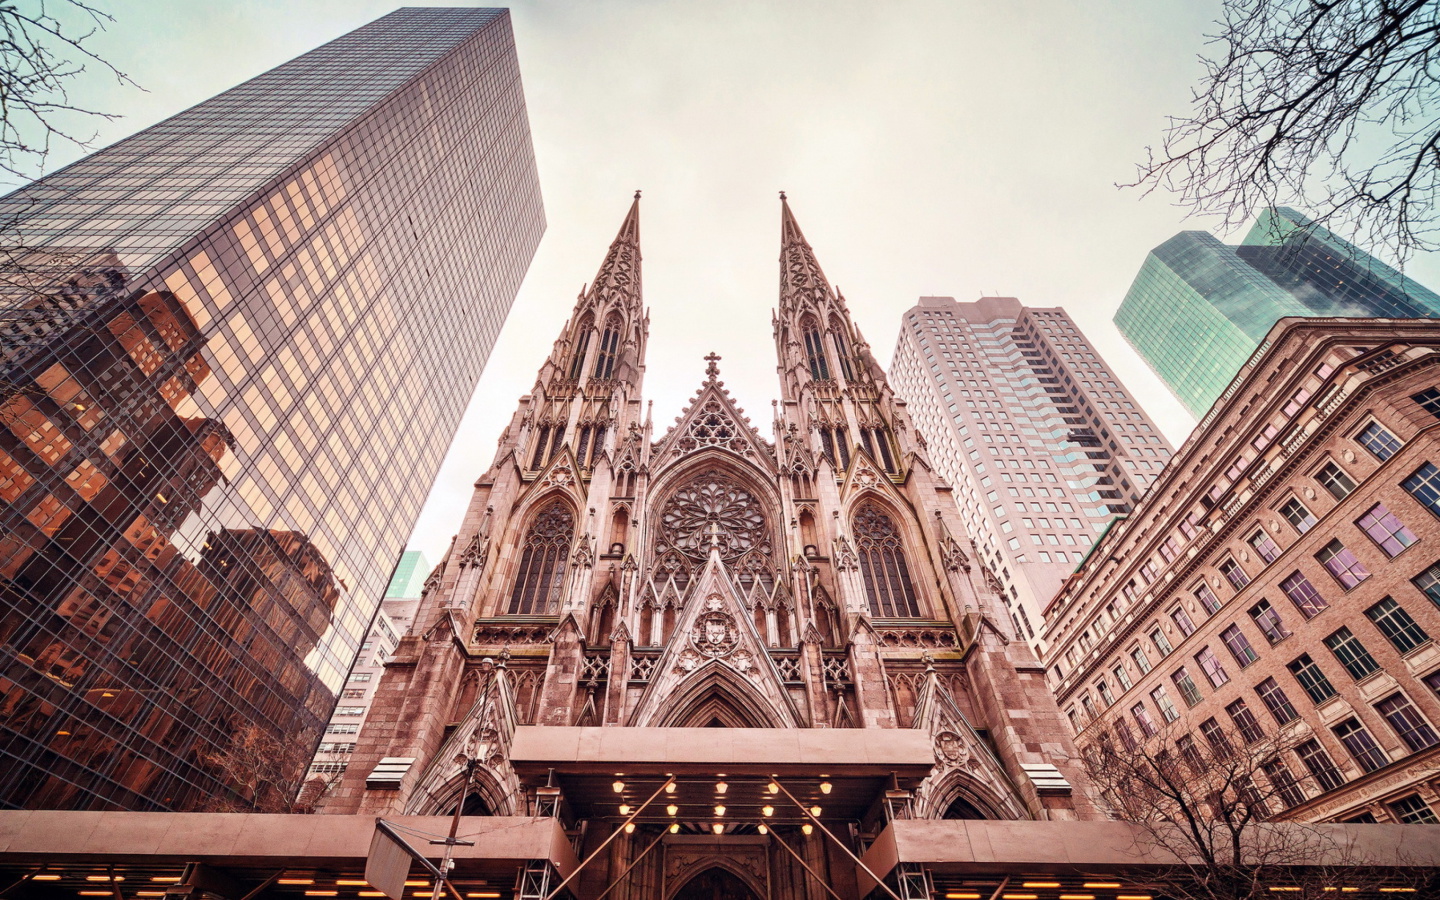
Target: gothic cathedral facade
(608, 578)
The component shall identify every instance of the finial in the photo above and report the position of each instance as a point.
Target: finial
(713, 369)
(782, 195)
(637, 194)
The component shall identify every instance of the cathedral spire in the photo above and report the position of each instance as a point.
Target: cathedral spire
(617, 284)
(802, 282)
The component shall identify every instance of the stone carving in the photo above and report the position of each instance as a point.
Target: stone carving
(950, 750)
(560, 476)
(991, 581)
(714, 636)
(475, 552)
(845, 557)
(583, 557)
(712, 507)
(953, 556)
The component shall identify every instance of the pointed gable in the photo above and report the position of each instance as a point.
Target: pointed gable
(716, 651)
(712, 419)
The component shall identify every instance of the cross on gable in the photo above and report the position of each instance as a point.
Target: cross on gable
(713, 369)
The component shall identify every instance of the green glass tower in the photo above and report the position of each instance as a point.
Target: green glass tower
(1199, 308)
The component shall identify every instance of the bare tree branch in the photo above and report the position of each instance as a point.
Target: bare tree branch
(41, 55)
(1210, 803)
(1330, 105)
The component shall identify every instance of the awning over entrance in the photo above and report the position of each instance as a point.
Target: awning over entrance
(313, 856)
(841, 771)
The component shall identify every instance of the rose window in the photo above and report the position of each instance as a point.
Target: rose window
(713, 508)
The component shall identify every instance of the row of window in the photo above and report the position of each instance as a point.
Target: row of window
(1382, 526)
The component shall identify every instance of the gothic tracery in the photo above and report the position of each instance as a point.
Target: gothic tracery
(713, 507)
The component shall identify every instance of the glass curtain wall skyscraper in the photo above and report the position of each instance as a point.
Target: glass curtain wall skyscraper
(1199, 308)
(1041, 441)
(219, 343)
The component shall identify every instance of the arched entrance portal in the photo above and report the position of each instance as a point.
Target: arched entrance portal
(715, 884)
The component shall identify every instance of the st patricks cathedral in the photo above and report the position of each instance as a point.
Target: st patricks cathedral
(722, 661)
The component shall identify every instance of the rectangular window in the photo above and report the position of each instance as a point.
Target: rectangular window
(1284, 783)
(1320, 766)
(1215, 737)
(1273, 695)
(352, 694)
(1103, 690)
(1428, 583)
(346, 728)
(1208, 601)
(1397, 625)
(1424, 486)
(1407, 722)
(1190, 753)
(349, 710)
(1162, 702)
(1157, 637)
(1303, 594)
(1341, 563)
(1298, 516)
(1141, 660)
(1122, 677)
(1386, 530)
(1361, 745)
(360, 676)
(1265, 546)
(1413, 810)
(1267, 619)
(1142, 718)
(1210, 665)
(1429, 400)
(1182, 621)
(1245, 721)
(1312, 678)
(1239, 645)
(1351, 654)
(1378, 441)
(1234, 574)
(1186, 686)
(1334, 480)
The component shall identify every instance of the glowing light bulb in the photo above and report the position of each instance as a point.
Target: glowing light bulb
(618, 786)
(629, 827)
(675, 829)
(721, 787)
(719, 810)
(767, 811)
(672, 809)
(814, 810)
(825, 787)
(718, 828)
(624, 810)
(670, 788)
(773, 788)
(808, 828)
(762, 828)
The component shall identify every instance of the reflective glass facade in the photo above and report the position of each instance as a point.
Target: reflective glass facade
(218, 349)
(1199, 308)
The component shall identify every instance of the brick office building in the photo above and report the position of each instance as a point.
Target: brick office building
(1284, 573)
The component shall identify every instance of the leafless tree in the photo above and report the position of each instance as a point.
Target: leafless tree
(1209, 804)
(44, 46)
(265, 773)
(1330, 105)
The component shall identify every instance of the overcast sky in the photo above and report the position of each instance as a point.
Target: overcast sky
(949, 147)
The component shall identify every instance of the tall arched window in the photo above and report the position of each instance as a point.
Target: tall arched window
(609, 349)
(582, 344)
(882, 563)
(542, 565)
(842, 352)
(815, 351)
